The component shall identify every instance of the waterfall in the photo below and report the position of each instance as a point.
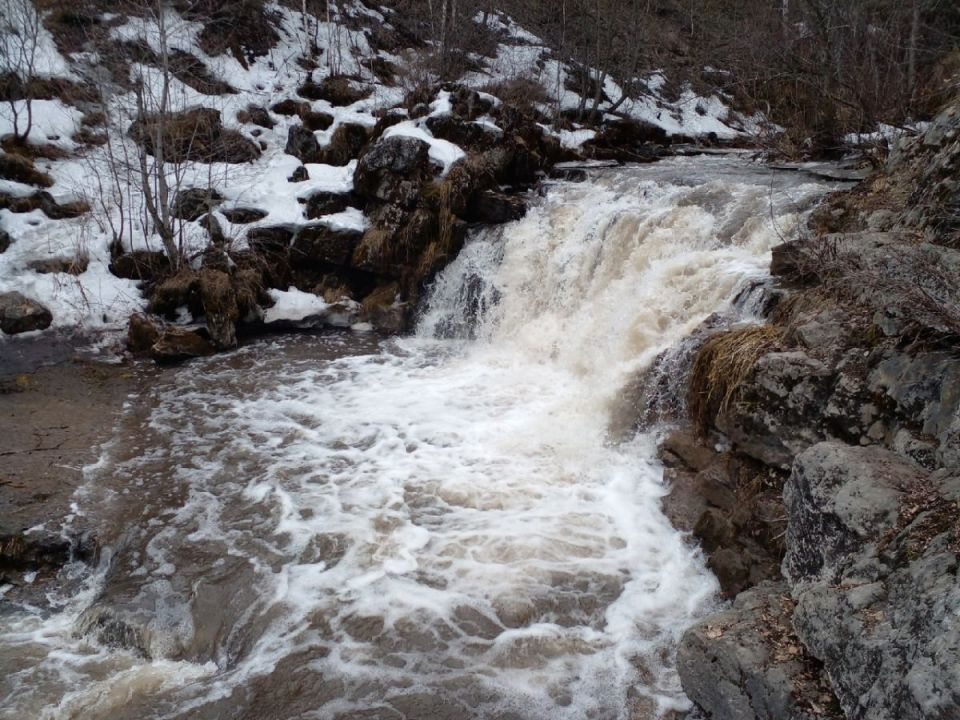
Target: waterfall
(435, 526)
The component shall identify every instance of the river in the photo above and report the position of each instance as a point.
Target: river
(443, 525)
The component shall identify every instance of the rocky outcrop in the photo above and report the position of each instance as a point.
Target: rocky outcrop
(19, 314)
(853, 389)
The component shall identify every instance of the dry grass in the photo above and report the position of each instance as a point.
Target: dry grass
(721, 366)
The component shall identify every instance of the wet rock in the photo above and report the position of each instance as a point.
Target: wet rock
(687, 449)
(384, 310)
(302, 144)
(68, 265)
(140, 265)
(5, 241)
(320, 243)
(326, 203)
(32, 550)
(346, 143)
(178, 343)
(142, 332)
(747, 663)
(180, 290)
(393, 170)
(194, 203)
(492, 207)
(19, 314)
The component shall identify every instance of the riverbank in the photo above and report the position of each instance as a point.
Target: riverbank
(53, 420)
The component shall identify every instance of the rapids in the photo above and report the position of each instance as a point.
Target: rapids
(435, 526)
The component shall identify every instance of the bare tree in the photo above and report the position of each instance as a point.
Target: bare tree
(19, 39)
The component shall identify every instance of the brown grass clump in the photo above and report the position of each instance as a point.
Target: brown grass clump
(20, 169)
(721, 366)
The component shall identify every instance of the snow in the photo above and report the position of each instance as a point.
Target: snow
(53, 121)
(308, 310)
(886, 133)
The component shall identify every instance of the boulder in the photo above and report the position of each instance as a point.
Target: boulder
(242, 215)
(393, 170)
(873, 551)
(5, 241)
(20, 314)
(323, 244)
(492, 207)
(746, 663)
(338, 90)
(219, 299)
(194, 203)
(256, 115)
(326, 203)
(384, 310)
(178, 343)
(299, 174)
(779, 411)
(346, 143)
(290, 107)
(839, 499)
(302, 144)
(316, 120)
(142, 332)
(140, 265)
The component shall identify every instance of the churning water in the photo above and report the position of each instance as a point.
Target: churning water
(438, 526)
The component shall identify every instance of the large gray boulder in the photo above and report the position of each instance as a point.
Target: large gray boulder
(780, 407)
(872, 555)
(746, 662)
(19, 314)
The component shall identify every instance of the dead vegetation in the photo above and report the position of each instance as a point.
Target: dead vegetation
(720, 367)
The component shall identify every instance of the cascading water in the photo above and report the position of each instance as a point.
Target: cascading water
(437, 526)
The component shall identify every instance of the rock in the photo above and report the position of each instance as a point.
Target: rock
(20, 314)
(196, 134)
(384, 310)
(746, 663)
(177, 343)
(140, 265)
(214, 229)
(465, 134)
(243, 216)
(492, 207)
(5, 241)
(732, 569)
(780, 406)
(68, 265)
(302, 144)
(44, 201)
(316, 120)
(256, 115)
(685, 446)
(219, 301)
(393, 170)
(142, 333)
(326, 203)
(32, 550)
(320, 243)
(338, 90)
(840, 498)
(346, 143)
(300, 174)
(714, 530)
(194, 203)
(290, 107)
(873, 552)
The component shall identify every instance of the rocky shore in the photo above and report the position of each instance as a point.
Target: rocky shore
(831, 515)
